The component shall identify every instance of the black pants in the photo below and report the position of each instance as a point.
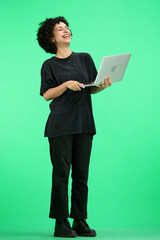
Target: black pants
(65, 151)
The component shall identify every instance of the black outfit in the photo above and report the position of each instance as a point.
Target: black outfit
(66, 150)
(72, 111)
(70, 128)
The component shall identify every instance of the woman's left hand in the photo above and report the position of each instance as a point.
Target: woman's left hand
(107, 83)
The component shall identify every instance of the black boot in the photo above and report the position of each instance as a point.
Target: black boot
(63, 229)
(82, 228)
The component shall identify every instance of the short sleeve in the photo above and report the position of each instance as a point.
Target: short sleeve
(92, 71)
(47, 78)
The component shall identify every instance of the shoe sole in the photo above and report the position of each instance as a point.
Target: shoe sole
(64, 235)
(87, 234)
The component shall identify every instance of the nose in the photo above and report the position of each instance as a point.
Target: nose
(65, 30)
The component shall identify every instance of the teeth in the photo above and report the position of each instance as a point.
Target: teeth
(66, 36)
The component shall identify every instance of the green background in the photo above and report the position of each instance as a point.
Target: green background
(124, 176)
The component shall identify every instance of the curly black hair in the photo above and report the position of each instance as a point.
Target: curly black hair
(45, 33)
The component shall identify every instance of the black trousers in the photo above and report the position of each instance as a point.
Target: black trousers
(65, 151)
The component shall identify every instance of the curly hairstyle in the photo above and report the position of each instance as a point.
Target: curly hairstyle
(45, 33)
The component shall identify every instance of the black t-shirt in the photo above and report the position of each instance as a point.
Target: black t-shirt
(71, 113)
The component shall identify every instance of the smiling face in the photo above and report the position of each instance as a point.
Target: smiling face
(62, 34)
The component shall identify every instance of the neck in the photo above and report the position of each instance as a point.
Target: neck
(63, 52)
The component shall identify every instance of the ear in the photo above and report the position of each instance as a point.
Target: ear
(52, 39)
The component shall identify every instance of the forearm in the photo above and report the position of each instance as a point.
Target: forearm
(55, 92)
(94, 90)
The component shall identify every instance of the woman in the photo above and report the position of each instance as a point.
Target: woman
(70, 126)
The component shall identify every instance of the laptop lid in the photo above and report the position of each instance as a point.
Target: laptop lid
(114, 66)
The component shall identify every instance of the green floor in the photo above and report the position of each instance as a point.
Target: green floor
(109, 234)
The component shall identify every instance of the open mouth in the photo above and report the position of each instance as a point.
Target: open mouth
(66, 36)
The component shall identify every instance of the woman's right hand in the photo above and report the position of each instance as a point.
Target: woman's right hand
(74, 85)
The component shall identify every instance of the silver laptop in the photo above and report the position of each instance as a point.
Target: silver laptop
(114, 66)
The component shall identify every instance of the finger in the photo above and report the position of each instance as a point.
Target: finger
(102, 84)
(74, 88)
(78, 88)
(109, 79)
(81, 85)
(105, 81)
